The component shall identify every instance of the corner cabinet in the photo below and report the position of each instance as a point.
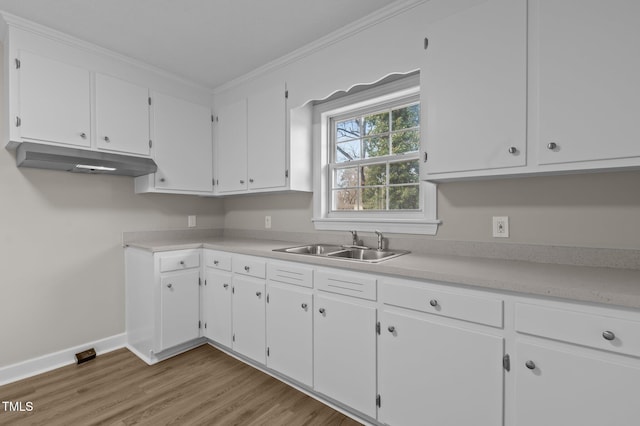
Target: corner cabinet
(182, 147)
(163, 302)
(254, 147)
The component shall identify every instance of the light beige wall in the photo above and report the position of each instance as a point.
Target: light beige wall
(599, 210)
(61, 257)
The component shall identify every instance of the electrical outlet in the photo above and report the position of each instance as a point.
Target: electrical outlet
(191, 221)
(267, 222)
(501, 226)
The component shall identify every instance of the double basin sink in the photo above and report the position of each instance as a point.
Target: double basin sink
(354, 253)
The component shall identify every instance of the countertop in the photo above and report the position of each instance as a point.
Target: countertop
(611, 286)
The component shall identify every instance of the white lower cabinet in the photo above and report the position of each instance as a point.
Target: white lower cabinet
(180, 312)
(248, 311)
(216, 302)
(437, 374)
(289, 331)
(344, 362)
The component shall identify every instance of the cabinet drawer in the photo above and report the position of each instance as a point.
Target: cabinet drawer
(290, 274)
(217, 259)
(178, 261)
(355, 285)
(582, 328)
(422, 297)
(249, 266)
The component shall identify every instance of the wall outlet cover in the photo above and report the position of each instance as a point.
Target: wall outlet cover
(501, 226)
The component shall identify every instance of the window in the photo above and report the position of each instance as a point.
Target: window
(367, 158)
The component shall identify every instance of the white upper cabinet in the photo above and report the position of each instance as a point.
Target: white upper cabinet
(54, 101)
(182, 147)
(231, 153)
(267, 138)
(587, 63)
(122, 116)
(474, 88)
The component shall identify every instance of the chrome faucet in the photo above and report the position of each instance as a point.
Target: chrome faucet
(354, 235)
(380, 239)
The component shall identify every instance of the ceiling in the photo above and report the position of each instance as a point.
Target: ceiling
(209, 42)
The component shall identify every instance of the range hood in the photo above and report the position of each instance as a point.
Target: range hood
(82, 161)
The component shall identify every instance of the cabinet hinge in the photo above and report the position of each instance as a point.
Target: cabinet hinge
(18, 121)
(425, 156)
(150, 143)
(200, 282)
(506, 362)
(286, 173)
(233, 338)
(378, 400)
(233, 290)
(267, 298)
(149, 98)
(426, 43)
(217, 182)
(213, 182)
(268, 351)
(212, 118)
(286, 94)
(205, 325)
(199, 324)
(378, 327)
(18, 63)
(205, 283)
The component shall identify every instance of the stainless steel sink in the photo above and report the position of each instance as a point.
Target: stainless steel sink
(356, 254)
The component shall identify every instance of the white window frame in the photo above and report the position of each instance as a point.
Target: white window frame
(401, 222)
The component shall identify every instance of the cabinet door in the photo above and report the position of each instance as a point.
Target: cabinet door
(588, 70)
(345, 353)
(231, 146)
(474, 88)
(429, 371)
(216, 305)
(289, 332)
(180, 308)
(182, 144)
(267, 138)
(565, 387)
(122, 116)
(55, 103)
(249, 317)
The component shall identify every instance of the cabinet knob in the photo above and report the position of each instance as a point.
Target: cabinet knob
(106, 139)
(304, 306)
(250, 180)
(162, 179)
(391, 329)
(215, 262)
(552, 145)
(169, 285)
(321, 310)
(241, 181)
(246, 268)
(225, 285)
(608, 335)
(258, 293)
(433, 302)
(513, 150)
(83, 135)
(530, 365)
(182, 262)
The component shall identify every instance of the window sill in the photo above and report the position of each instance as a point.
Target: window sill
(392, 226)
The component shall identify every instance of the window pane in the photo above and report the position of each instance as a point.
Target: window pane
(376, 146)
(347, 151)
(376, 123)
(374, 175)
(404, 198)
(404, 118)
(404, 172)
(345, 199)
(344, 178)
(374, 198)
(406, 141)
(348, 129)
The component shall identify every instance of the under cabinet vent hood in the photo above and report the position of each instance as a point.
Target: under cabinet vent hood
(82, 161)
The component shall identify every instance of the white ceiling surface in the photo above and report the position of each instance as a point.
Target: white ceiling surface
(209, 42)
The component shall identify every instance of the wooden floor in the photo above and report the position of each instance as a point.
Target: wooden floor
(201, 387)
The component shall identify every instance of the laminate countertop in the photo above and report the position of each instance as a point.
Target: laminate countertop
(611, 286)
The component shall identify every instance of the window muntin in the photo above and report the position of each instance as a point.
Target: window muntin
(373, 161)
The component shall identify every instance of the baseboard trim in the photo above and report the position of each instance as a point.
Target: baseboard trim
(31, 367)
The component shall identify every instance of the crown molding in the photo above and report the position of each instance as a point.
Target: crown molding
(13, 21)
(362, 24)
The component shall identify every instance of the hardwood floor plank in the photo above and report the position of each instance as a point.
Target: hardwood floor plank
(204, 386)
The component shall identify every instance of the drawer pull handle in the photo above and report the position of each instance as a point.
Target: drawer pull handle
(321, 310)
(169, 285)
(530, 365)
(215, 262)
(433, 302)
(258, 293)
(391, 329)
(304, 306)
(225, 285)
(608, 335)
(246, 268)
(182, 262)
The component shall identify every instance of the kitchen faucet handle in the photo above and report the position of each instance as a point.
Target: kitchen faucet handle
(354, 235)
(380, 239)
